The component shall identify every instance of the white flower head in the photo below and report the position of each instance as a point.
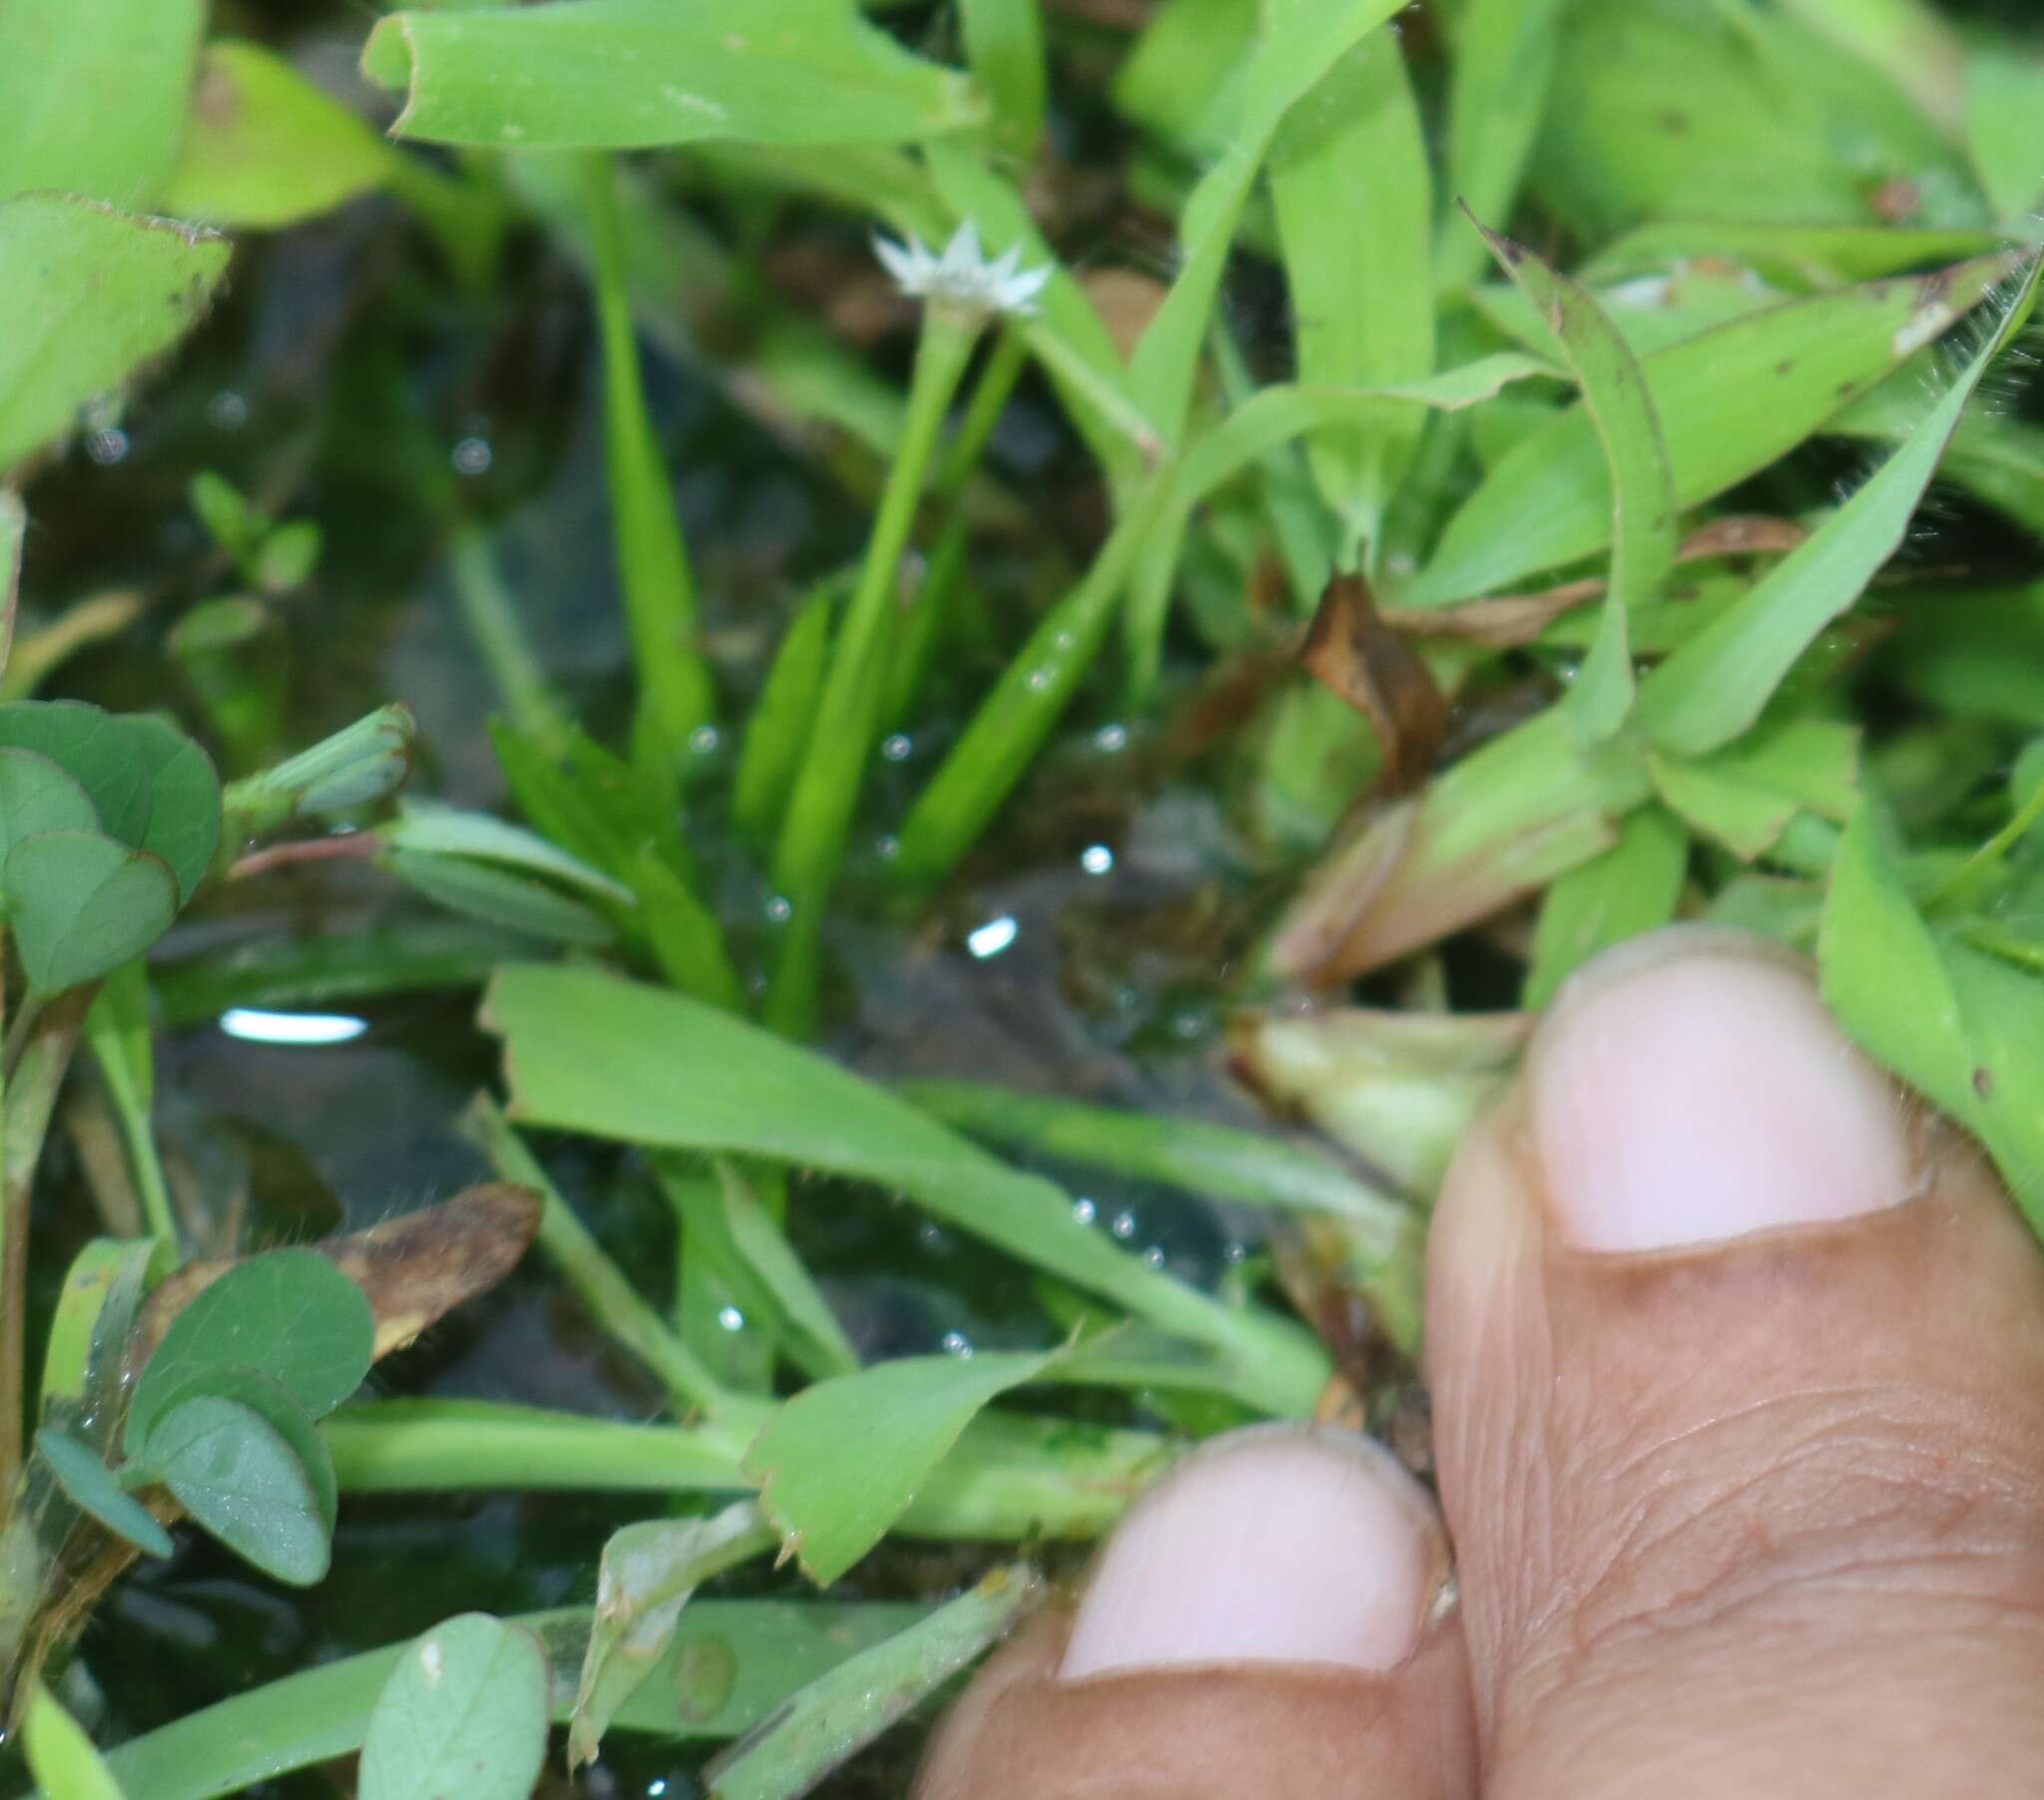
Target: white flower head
(962, 276)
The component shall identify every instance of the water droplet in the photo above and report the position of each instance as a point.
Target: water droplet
(897, 748)
(1083, 1210)
(107, 446)
(993, 936)
(1237, 1252)
(703, 739)
(227, 410)
(779, 910)
(1111, 738)
(730, 1319)
(1039, 679)
(1064, 641)
(931, 1237)
(888, 846)
(1123, 1226)
(1096, 859)
(1189, 1025)
(1153, 1258)
(957, 1344)
(471, 456)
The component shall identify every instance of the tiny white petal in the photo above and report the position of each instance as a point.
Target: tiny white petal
(901, 260)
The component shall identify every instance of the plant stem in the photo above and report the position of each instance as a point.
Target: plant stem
(499, 637)
(614, 1303)
(1012, 1475)
(675, 693)
(819, 811)
(25, 1110)
(1015, 719)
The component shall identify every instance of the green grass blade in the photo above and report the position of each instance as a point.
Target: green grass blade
(675, 694)
(1248, 1167)
(585, 1051)
(1632, 888)
(1004, 49)
(610, 74)
(1643, 533)
(1497, 92)
(1354, 202)
(1730, 402)
(1287, 65)
(1715, 687)
(778, 732)
(842, 1711)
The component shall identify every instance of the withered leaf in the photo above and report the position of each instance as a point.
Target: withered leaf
(1358, 658)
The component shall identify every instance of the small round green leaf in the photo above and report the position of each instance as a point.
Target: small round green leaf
(94, 1490)
(182, 824)
(36, 795)
(239, 1479)
(79, 905)
(463, 1716)
(289, 1314)
(280, 1411)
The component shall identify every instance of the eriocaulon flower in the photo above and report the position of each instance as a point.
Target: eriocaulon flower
(961, 277)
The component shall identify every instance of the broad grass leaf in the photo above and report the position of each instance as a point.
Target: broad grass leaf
(1746, 795)
(1630, 888)
(622, 74)
(92, 98)
(498, 896)
(1354, 197)
(463, 1716)
(2004, 139)
(1643, 533)
(1004, 49)
(1498, 89)
(1730, 401)
(288, 1313)
(91, 1488)
(647, 1575)
(586, 1052)
(111, 291)
(1802, 258)
(239, 1480)
(79, 905)
(1288, 64)
(60, 1755)
(265, 148)
(37, 795)
(778, 729)
(840, 1712)
(1715, 687)
(839, 1462)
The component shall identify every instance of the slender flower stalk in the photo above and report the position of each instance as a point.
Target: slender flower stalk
(962, 290)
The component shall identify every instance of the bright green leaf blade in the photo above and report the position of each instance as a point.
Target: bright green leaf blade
(498, 896)
(231, 1469)
(464, 1712)
(92, 97)
(13, 526)
(1497, 92)
(647, 1575)
(2005, 126)
(91, 1487)
(687, 942)
(37, 795)
(1354, 202)
(1004, 49)
(617, 74)
(288, 1313)
(1632, 888)
(2001, 1007)
(1289, 63)
(1730, 401)
(60, 1757)
(1746, 795)
(778, 732)
(585, 1051)
(841, 1711)
(79, 905)
(839, 1462)
(103, 294)
(1644, 525)
(1715, 687)
(443, 830)
(265, 148)
(1189, 1153)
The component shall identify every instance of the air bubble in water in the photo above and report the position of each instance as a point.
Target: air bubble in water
(471, 456)
(957, 1344)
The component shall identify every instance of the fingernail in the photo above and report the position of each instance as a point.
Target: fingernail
(1690, 1088)
(1279, 1544)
